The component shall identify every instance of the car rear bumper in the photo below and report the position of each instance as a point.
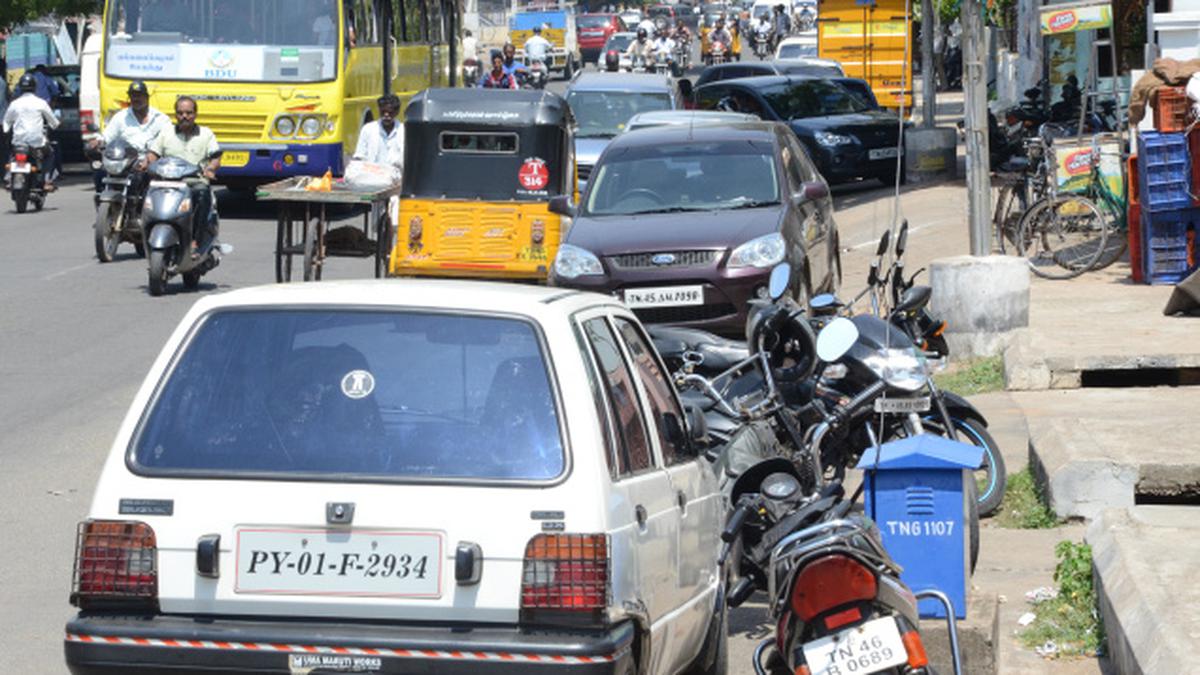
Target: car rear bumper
(111, 645)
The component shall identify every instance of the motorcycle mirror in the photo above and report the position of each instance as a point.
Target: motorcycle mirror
(824, 302)
(902, 238)
(884, 242)
(781, 278)
(836, 339)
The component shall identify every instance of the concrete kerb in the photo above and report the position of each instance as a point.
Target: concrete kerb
(1076, 488)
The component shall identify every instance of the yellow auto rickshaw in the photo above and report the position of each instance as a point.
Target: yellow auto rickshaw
(480, 168)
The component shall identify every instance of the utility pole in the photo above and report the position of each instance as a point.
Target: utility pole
(928, 95)
(979, 189)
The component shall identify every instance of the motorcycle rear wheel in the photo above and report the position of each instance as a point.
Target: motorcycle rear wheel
(108, 217)
(21, 201)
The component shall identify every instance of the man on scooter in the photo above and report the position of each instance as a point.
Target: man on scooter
(27, 118)
(197, 145)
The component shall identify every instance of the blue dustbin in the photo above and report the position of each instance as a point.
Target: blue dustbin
(916, 491)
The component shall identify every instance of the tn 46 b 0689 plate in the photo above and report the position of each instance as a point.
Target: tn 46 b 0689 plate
(869, 648)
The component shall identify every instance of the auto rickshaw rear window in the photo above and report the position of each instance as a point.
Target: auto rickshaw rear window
(486, 143)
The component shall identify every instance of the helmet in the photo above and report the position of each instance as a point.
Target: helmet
(137, 87)
(641, 34)
(27, 84)
(537, 30)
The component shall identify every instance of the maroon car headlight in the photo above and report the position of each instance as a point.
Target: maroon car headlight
(572, 261)
(762, 252)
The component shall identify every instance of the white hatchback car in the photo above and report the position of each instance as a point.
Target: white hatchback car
(402, 477)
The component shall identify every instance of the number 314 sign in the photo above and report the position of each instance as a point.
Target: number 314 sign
(533, 174)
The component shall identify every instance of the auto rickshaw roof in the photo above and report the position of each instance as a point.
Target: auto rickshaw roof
(500, 107)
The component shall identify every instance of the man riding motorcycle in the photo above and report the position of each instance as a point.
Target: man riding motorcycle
(719, 35)
(197, 145)
(664, 46)
(641, 49)
(497, 78)
(27, 118)
(138, 125)
(537, 47)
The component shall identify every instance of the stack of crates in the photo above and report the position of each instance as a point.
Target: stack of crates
(1164, 181)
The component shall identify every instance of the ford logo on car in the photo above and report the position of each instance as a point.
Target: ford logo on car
(663, 258)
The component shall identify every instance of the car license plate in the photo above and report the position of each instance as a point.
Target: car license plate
(664, 296)
(235, 159)
(884, 153)
(297, 561)
(869, 648)
(20, 167)
(902, 405)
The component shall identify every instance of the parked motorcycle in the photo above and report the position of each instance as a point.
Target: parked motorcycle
(27, 177)
(169, 227)
(119, 204)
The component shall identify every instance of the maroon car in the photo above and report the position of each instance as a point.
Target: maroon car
(593, 30)
(685, 223)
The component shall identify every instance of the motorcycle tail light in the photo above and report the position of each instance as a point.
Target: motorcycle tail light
(115, 564)
(21, 157)
(565, 580)
(915, 649)
(831, 582)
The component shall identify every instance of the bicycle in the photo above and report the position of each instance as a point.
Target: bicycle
(1065, 235)
(1022, 182)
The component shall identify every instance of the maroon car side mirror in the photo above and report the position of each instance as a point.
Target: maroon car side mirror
(815, 190)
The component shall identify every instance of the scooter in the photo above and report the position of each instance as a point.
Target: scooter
(27, 178)
(119, 205)
(169, 227)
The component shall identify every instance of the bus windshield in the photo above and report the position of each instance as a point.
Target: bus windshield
(234, 40)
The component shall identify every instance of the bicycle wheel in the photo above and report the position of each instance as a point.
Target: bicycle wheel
(1118, 234)
(1062, 237)
(1010, 204)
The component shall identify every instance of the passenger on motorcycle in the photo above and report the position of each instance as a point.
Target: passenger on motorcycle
(497, 77)
(641, 49)
(197, 145)
(537, 48)
(511, 65)
(27, 118)
(138, 125)
(681, 35)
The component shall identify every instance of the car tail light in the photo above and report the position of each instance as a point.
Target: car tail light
(115, 564)
(915, 649)
(87, 119)
(565, 579)
(829, 582)
(20, 157)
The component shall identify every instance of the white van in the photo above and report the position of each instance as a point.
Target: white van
(89, 87)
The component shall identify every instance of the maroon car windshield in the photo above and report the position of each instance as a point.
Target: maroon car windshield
(685, 177)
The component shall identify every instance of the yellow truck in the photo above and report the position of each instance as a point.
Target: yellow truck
(872, 39)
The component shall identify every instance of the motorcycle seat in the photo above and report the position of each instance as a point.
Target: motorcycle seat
(719, 353)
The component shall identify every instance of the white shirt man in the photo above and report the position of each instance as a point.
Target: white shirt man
(664, 46)
(378, 145)
(26, 118)
(126, 126)
(649, 26)
(536, 48)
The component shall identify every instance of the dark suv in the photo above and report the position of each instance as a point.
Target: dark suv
(684, 224)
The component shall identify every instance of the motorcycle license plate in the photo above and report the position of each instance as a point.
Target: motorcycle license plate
(20, 167)
(902, 405)
(869, 648)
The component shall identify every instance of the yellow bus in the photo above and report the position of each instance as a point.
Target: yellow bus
(285, 85)
(872, 39)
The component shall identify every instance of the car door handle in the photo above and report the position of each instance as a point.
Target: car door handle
(681, 500)
(639, 512)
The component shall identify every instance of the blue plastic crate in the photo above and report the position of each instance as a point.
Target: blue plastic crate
(1165, 244)
(1164, 171)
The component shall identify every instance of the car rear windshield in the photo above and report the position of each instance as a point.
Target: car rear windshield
(811, 98)
(685, 177)
(593, 21)
(619, 42)
(367, 395)
(604, 114)
(798, 51)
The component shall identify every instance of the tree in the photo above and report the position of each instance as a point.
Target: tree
(16, 12)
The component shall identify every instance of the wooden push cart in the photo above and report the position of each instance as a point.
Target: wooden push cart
(302, 227)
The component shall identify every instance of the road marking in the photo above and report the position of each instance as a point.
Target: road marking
(875, 241)
(67, 271)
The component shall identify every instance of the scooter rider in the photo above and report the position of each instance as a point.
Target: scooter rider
(138, 125)
(27, 118)
(640, 49)
(196, 144)
(537, 47)
(664, 46)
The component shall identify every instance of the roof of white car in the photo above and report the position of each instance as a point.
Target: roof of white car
(470, 296)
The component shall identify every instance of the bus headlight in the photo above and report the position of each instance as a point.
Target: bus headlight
(285, 126)
(310, 127)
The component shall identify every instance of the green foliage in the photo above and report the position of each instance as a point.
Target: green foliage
(16, 12)
(974, 377)
(1024, 506)
(1071, 621)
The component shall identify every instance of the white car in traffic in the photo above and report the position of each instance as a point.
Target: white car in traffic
(399, 477)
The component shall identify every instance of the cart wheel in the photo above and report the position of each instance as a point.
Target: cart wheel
(312, 243)
(283, 241)
(383, 245)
